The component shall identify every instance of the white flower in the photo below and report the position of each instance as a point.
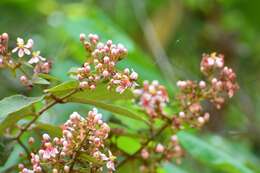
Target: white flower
(36, 58)
(23, 48)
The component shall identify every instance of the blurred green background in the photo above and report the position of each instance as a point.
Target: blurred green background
(165, 39)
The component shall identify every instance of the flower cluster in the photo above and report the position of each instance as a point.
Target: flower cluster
(81, 136)
(153, 155)
(220, 83)
(36, 61)
(102, 65)
(152, 98)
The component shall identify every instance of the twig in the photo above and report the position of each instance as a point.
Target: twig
(144, 145)
(24, 148)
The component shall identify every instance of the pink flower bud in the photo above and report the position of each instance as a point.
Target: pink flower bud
(106, 59)
(109, 43)
(133, 75)
(46, 137)
(54, 171)
(105, 73)
(66, 169)
(159, 148)
(206, 116)
(5, 36)
(20, 166)
(214, 81)
(181, 84)
(31, 140)
(24, 80)
(92, 87)
(201, 120)
(82, 37)
(174, 138)
(182, 114)
(144, 154)
(126, 71)
(202, 84)
(83, 85)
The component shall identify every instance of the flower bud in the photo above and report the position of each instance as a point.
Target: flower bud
(202, 84)
(159, 148)
(24, 80)
(144, 154)
(54, 170)
(106, 59)
(82, 37)
(66, 169)
(31, 140)
(133, 75)
(46, 137)
(201, 120)
(182, 114)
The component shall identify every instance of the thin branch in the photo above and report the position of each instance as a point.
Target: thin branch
(24, 148)
(163, 127)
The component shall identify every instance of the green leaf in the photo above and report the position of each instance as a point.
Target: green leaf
(6, 147)
(64, 87)
(109, 107)
(211, 155)
(40, 81)
(51, 129)
(14, 108)
(100, 93)
(48, 77)
(128, 145)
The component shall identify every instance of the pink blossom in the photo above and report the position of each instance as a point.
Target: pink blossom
(23, 48)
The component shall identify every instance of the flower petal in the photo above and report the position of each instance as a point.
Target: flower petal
(27, 51)
(21, 53)
(33, 60)
(15, 49)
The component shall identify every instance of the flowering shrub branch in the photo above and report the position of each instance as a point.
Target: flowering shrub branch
(85, 144)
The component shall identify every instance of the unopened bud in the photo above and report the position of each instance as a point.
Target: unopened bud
(31, 140)
(159, 148)
(202, 84)
(66, 169)
(82, 37)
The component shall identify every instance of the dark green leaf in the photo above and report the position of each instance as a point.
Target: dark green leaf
(48, 77)
(6, 147)
(210, 155)
(51, 129)
(14, 108)
(40, 81)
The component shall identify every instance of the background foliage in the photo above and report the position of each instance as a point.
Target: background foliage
(184, 29)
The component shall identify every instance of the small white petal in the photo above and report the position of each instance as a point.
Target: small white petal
(27, 51)
(33, 60)
(15, 49)
(21, 53)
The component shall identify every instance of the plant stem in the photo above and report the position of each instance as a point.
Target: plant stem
(160, 130)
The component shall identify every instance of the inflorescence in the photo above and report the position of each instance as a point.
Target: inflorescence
(8, 59)
(80, 136)
(102, 65)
